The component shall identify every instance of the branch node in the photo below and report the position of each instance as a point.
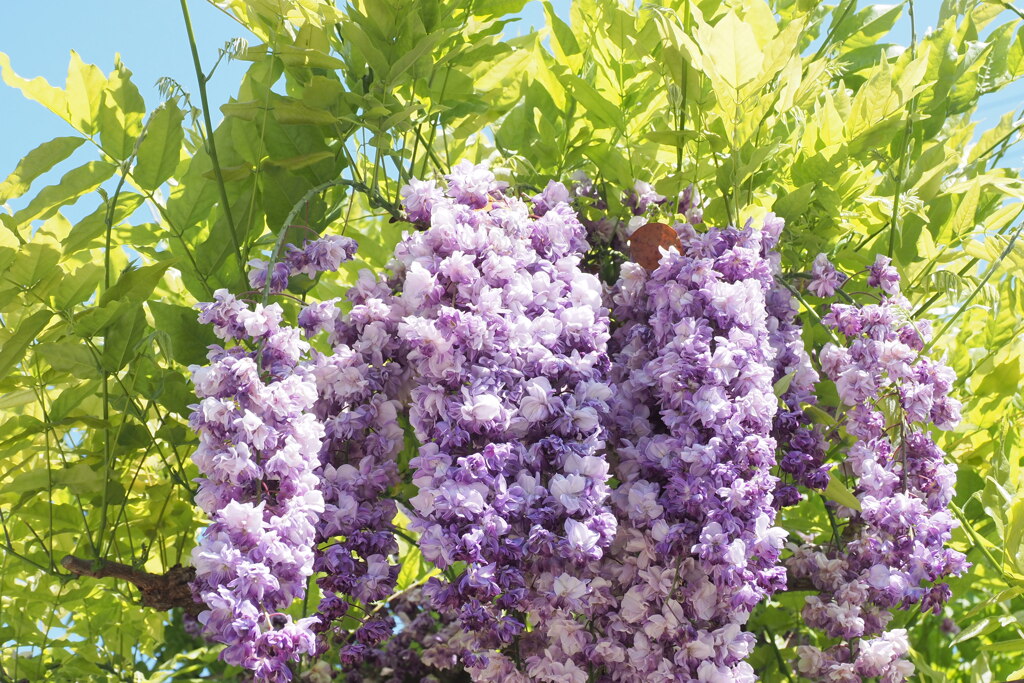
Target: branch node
(159, 591)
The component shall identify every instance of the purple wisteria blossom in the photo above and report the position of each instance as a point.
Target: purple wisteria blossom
(358, 385)
(801, 446)
(325, 254)
(258, 447)
(693, 412)
(506, 341)
(882, 275)
(689, 205)
(825, 279)
(261, 423)
(600, 502)
(892, 554)
(642, 197)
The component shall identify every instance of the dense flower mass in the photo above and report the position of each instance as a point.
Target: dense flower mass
(598, 501)
(693, 411)
(358, 385)
(801, 446)
(507, 352)
(258, 446)
(892, 552)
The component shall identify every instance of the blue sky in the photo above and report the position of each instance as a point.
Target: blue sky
(38, 37)
(151, 41)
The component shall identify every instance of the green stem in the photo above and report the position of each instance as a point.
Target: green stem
(827, 43)
(783, 669)
(981, 285)
(109, 219)
(908, 130)
(975, 539)
(1009, 6)
(210, 142)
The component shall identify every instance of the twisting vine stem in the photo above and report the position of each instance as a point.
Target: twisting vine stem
(211, 144)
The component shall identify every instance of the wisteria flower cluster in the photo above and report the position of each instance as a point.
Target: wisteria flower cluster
(507, 352)
(264, 417)
(892, 551)
(258, 447)
(692, 425)
(321, 255)
(597, 471)
(358, 386)
(801, 446)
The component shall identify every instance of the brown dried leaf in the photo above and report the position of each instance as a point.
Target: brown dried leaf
(646, 242)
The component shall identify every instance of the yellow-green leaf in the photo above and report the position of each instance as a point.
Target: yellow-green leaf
(85, 87)
(732, 51)
(121, 114)
(160, 149)
(838, 493)
(36, 89)
(35, 163)
(12, 347)
(72, 185)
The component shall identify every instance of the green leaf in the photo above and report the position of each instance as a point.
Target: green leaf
(562, 36)
(292, 55)
(838, 493)
(963, 218)
(121, 114)
(303, 160)
(13, 347)
(1003, 380)
(93, 227)
(410, 572)
(78, 286)
(187, 336)
(70, 356)
(819, 415)
(72, 397)
(606, 113)
(1015, 645)
(732, 52)
(674, 138)
(36, 89)
(422, 47)
(80, 479)
(782, 386)
(288, 111)
(160, 148)
(136, 284)
(35, 163)
(353, 34)
(121, 339)
(35, 263)
(72, 185)
(28, 482)
(84, 89)
(15, 399)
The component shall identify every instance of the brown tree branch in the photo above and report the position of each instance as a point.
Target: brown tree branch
(159, 591)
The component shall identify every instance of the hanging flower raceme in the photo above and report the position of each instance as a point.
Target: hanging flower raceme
(358, 386)
(321, 255)
(258, 446)
(492, 345)
(507, 355)
(800, 444)
(692, 425)
(891, 552)
(261, 430)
